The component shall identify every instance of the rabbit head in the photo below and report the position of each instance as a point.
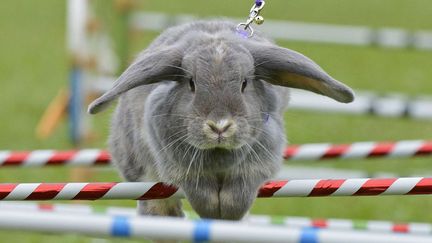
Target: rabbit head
(219, 92)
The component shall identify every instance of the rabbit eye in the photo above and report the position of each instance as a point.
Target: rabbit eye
(244, 84)
(192, 85)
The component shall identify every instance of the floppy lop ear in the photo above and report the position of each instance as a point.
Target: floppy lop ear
(281, 66)
(151, 67)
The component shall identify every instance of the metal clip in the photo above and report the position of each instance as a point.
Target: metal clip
(245, 28)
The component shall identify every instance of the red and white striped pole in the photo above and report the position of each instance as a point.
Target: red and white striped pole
(51, 157)
(153, 190)
(359, 150)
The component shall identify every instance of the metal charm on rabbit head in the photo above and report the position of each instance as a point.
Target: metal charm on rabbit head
(245, 29)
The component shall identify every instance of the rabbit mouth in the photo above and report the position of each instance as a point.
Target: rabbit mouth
(218, 143)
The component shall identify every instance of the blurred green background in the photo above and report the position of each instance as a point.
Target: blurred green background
(34, 66)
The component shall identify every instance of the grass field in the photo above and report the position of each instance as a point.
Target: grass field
(34, 65)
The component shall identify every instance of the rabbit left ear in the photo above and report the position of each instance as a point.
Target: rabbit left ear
(153, 66)
(288, 68)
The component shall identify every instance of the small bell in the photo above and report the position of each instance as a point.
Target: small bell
(259, 20)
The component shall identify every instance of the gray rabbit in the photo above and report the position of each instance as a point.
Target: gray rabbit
(202, 108)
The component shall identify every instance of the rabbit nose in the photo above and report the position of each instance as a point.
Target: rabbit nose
(220, 126)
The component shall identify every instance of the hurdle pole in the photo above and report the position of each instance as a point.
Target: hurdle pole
(290, 221)
(366, 102)
(309, 152)
(158, 228)
(158, 190)
(359, 150)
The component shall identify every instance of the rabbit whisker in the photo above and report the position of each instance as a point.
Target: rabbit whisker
(192, 159)
(254, 154)
(267, 78)
(179, 68)
(172, 143)
(170, 114)
(261, 63)
(200, 168)
(269, 154)
(265, 134)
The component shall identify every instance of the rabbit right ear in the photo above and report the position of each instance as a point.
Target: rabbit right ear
(281, 66)
(153, 66)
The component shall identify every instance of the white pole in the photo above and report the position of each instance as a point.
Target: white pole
(390, 105)
(77, 13)
(289, 221)
(300, 31)
(159, 228)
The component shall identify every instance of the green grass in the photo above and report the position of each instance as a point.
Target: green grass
(34, 65)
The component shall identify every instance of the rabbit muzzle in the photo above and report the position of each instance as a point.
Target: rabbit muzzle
(220, 132)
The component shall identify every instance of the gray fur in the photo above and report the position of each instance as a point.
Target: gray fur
(161, 130)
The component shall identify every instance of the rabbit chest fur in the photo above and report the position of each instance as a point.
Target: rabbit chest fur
(202, 108)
